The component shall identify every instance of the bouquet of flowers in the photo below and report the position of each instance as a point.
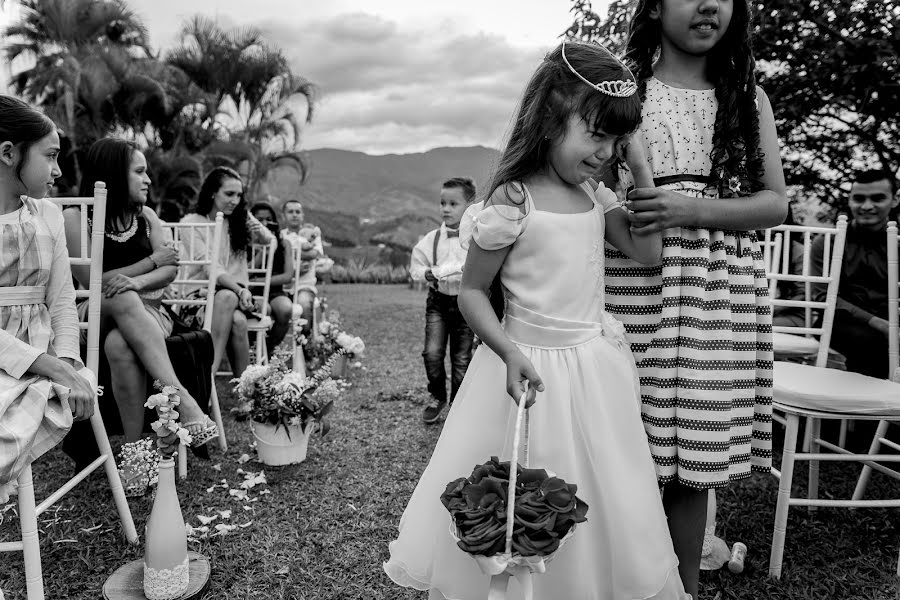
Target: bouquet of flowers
(512, 520)
(329, 339)
(139, 460)
(276, 395)
(546, 510)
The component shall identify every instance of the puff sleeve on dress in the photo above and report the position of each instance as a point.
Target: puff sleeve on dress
(492, 227)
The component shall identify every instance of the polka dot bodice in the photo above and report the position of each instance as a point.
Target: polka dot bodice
(678, 128)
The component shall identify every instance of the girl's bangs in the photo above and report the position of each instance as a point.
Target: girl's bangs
(610, 115)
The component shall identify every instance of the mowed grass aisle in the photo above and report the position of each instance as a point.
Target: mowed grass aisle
(319, 530)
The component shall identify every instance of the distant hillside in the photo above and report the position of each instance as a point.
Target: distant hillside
(393, 198)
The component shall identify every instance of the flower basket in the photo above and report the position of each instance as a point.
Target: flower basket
(327, 339)
(512, 519)
(284, 407)
(279, 445)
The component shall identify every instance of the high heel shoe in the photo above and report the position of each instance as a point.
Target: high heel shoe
(209, 431)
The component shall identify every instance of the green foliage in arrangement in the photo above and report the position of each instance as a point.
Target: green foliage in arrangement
(832, 73)
(359, 271)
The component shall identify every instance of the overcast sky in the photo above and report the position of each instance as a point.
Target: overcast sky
(395, 76)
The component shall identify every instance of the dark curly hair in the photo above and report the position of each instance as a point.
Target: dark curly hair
(731, 67)
(237, 220)
(555, 93)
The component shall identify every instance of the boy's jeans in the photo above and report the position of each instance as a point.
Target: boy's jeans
(444, 322)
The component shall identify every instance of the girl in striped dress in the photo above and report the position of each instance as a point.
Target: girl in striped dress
(700, 322)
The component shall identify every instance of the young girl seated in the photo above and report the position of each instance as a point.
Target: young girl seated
(223, 191)
(281, 306)
(41, 387)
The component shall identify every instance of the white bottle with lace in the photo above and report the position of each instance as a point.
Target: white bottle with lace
(165, 549)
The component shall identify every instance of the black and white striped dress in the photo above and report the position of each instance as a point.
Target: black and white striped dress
(700, 325)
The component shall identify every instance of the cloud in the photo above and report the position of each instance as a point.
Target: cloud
(386, 88)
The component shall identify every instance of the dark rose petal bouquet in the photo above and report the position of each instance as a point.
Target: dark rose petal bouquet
(512, 519)
(546, 510)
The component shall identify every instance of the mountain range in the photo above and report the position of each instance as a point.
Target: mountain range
(359, 199)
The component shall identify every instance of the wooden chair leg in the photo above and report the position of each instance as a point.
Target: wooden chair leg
(863, 482)
(182, 462)
(262, 351)
(112, 474)
(807, 434)
(217, 415)
(784, 496)
(31, 549)
(815, 426)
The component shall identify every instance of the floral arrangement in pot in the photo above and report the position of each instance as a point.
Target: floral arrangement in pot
(330, 339)
(285, 407)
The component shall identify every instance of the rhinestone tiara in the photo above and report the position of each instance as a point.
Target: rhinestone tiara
(618, 88)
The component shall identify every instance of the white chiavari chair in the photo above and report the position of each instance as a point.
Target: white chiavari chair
(818, 393)
(880, 438)
(262, 259)
(313, 318)
(29, 510)
(195, 286)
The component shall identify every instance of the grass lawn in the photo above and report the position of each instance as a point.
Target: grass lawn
(320, 530)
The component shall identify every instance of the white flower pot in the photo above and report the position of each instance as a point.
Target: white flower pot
(339, 368)
(275, 447)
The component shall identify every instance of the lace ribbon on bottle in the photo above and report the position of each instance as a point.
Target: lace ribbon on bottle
(166, 584)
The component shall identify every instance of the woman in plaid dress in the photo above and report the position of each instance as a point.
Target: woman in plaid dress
(40, 384)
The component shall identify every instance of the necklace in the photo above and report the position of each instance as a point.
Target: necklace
(126, 235)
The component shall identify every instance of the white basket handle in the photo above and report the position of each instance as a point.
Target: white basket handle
(521, 414)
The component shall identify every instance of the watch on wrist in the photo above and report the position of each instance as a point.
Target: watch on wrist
(153, 262)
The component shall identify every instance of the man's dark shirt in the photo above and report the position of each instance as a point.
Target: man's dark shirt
(863, 290)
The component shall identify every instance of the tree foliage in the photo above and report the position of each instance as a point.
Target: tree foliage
(220, 97)
(88, 66)
(832, 72)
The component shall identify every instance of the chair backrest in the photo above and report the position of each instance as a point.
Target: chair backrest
(97, 203)
(261, 261)
(771, 245)
(893, 300)
(812, 284)
(295, 289)
(199, 245)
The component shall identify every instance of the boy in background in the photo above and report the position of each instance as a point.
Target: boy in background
(438, 259)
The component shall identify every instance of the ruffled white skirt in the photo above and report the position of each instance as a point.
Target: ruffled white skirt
(586, 428)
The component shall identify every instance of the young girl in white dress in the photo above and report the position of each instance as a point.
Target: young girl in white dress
(542, 230)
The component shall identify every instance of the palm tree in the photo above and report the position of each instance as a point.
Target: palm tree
(92, 69)
(250, 97)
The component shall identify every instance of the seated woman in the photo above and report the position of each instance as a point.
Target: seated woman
(40, 383)
(223, 191)
(138, 264)
(282, 272)
(307, 243)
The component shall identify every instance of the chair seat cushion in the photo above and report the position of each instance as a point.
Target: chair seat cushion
(263, 324)
(830, 390)
(787, 344)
